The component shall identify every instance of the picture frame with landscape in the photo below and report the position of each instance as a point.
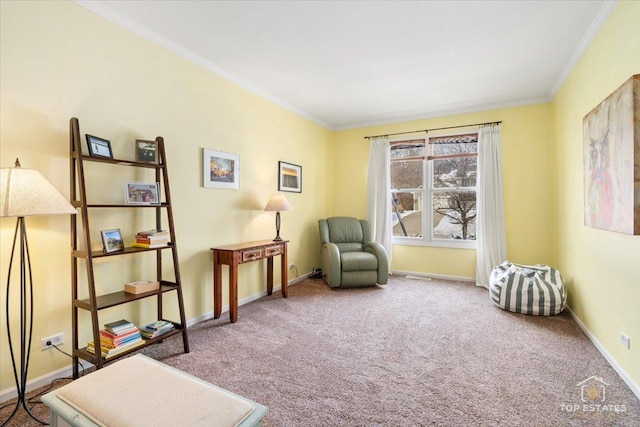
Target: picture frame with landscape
(289, 177)
(112, 240)
(220, 169)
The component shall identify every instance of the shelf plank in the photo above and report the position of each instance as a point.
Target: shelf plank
(129, 250)
(120, 162)
(122, 297)
(78, 204)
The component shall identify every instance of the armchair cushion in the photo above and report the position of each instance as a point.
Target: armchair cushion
(357, 261)
(345, 230)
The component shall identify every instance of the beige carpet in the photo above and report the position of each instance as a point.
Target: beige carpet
(411, 353)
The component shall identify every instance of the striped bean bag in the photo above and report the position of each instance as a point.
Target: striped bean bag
(528, 289)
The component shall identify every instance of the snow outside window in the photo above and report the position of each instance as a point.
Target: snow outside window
(433, 190)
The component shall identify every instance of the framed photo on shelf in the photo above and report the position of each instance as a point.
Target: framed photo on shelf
(289, 177)
(146, 151)
(99, 147)
(142, 193)
(112, 240)
(220, 169)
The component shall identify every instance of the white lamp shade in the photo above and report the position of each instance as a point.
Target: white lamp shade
(25, 192)
(278, 203)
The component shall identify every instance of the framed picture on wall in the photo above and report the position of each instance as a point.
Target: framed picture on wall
(289, 177)
(220, 169)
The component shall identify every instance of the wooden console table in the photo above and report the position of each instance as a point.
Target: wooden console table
(233, 255)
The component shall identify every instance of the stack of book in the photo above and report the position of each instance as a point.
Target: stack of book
(117, 337)
(151, 239)
(156, 328)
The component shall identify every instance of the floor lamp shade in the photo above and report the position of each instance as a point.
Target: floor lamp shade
(278, 203)
(24, 192)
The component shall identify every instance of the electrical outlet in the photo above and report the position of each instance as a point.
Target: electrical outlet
(292, 266)
(625, 340)
(57, 340)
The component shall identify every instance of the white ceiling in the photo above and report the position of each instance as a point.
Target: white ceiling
(346, 64)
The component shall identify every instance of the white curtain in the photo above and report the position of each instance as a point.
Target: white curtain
(490, 228)
(379, 196)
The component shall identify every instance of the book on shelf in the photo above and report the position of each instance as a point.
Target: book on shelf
(152, 233)
(157, 325)
(113, 343)
(123, 335)
(157, 328)
(149, 245)
(119, 326)
(141, 286)
(121, 332)
(116, 337)
(111, 336)
(151, 239)
(107, 352)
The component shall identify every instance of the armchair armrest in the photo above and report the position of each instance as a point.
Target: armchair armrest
(331, 264)
(383, 260)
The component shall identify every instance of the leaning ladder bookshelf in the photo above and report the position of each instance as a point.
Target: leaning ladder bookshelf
(81, 252)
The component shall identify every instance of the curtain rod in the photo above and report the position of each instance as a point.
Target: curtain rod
(429, 130)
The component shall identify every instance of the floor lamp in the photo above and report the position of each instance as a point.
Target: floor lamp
(278, 203)
(25, 192)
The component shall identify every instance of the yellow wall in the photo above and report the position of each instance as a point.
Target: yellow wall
(527, 164)
(60, 60)
(602, 267)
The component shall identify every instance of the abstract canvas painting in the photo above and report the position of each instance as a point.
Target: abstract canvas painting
(611, 133)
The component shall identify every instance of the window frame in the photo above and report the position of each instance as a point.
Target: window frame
(428, 190)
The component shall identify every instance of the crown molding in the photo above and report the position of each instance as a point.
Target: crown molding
(144, 32)
(593, 30)
(440, 111)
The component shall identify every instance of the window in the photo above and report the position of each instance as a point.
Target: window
(433, 190)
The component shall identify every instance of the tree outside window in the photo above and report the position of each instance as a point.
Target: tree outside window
(433, 189)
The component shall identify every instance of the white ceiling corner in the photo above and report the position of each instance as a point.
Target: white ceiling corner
(591, 33)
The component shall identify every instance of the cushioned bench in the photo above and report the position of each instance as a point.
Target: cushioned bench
(139, 391)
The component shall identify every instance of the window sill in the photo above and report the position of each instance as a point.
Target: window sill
(435, 244)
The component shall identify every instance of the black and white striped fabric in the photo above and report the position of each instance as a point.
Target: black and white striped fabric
(528, 289)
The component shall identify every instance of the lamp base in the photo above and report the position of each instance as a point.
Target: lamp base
(26, 320)
(278, 238)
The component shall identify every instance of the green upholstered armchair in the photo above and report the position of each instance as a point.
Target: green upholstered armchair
(349, 256)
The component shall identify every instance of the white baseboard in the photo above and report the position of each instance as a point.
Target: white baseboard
(612, 361)
(433, 276)
(67, 371)
(41, 381)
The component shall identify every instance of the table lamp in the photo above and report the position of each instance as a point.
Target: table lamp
(278, 203)
(25, 192)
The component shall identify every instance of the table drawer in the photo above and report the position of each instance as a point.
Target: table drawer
(251, 255)
(273, 250)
